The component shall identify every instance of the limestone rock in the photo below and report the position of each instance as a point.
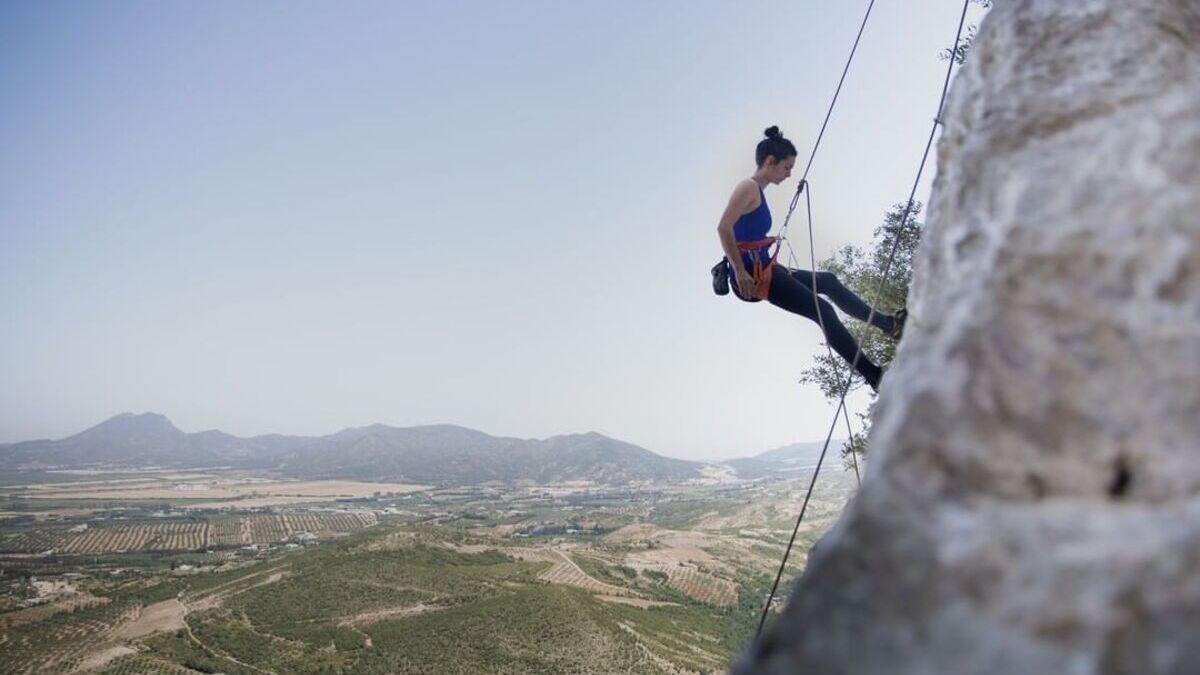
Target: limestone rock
(1033, 499)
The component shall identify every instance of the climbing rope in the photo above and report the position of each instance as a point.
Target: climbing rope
(782, 238)
(821, 134)
(817, 306)
(820, 317)
(832, 103)
(937, 120)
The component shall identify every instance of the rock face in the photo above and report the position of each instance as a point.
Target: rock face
(1033, 499)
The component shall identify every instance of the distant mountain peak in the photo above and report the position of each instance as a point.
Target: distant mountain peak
(144, 417)
(134, 423)
(584, 436)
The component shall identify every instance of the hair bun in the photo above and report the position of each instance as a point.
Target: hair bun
(773, 132)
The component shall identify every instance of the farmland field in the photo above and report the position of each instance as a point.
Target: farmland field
(184, 534)
(205, 490)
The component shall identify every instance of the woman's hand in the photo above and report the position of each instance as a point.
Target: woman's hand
(745, 282)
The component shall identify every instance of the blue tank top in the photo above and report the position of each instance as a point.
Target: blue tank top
(752, 226)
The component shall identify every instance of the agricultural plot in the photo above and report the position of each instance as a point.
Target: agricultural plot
(189, 535)
(348, 522)
(30, 542)
(163, 536)
(225, 532)
(305, 522)
(317, 522)
(274, 528)
(534, 555)
(267, 529)
(203, 492)
(107, 540)
(69, 604)
(703, 587)
(566, 573)
(177, 536)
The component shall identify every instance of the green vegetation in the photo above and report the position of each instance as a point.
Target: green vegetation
(684, 514)
(538, 629)
(618, 575)
(655, 575)
(741, 621)
(449, 587)
(881, 276)
(141, 664)
(179, 648)
(58, 642)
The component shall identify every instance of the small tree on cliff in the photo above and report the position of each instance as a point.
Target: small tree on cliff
(862, 271)
(959, 54)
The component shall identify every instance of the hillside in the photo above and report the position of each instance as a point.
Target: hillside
(433, 454)
(788, 460)
(148, 439)
(454, 454)
(389, 600)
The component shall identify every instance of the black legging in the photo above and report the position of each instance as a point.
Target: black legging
(792, 290)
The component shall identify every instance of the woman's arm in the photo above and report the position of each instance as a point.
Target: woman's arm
(741, 201)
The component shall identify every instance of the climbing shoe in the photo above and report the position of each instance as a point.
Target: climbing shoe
(720, 277)
(898, 320)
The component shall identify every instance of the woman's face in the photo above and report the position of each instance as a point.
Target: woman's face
(779, 171)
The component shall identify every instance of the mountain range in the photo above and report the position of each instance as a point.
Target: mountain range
(441, 454)
(788, 460)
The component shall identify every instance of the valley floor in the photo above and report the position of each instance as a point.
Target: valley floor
(577, 578)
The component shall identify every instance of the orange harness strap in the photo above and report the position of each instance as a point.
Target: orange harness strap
(760, 272)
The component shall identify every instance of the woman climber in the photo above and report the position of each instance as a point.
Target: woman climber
(743, 232)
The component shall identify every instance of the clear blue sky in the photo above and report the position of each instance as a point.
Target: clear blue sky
(298, 217)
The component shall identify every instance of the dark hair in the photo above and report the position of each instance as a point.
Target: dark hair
(774, 145)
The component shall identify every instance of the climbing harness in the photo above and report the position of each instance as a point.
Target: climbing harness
(758, 270)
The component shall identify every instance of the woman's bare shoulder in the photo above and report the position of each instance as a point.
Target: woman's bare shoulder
(746, 194)
(745, 189)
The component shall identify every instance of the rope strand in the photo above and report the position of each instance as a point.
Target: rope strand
(870, 315)
(821, 320)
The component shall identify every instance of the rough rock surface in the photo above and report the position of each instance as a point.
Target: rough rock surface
(1033, 500)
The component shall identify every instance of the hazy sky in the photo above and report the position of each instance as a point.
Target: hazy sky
(297, 217)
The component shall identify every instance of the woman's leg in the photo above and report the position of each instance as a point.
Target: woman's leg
(789, 292)
(831, 287)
